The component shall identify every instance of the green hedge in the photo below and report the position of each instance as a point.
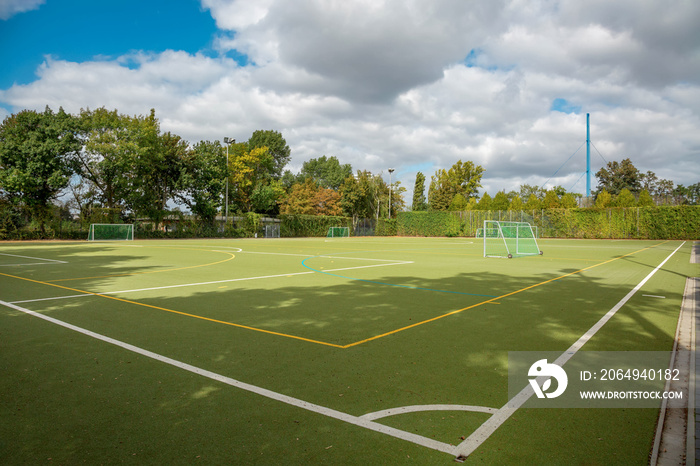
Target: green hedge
(677, 222)
(672, 222)
(311, 225)
(435, 223)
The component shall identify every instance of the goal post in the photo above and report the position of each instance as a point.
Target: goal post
(338, 232)
(111, 232)
(509, 239)
(272, 231)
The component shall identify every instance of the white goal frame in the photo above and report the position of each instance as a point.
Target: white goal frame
(332, 232)
(512, 239)
(128, 236)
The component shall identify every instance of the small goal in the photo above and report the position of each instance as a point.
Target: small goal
(509, 239)
(338, 232)
(111, 232)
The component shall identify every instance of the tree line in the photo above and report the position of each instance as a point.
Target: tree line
(620, 184)
(110, 167)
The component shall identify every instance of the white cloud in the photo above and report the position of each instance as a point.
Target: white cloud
(384, 84)
(9, 8)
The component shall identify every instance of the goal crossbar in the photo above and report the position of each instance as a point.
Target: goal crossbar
(509, 239)
(111, 232)
(338, 232)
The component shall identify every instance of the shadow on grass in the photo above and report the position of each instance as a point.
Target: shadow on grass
(422, 358)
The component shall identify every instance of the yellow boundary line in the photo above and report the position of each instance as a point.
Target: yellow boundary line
(128, 301)
(497, 298)
(350, 345)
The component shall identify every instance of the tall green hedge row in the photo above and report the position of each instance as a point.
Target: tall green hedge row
(672, 222)
(677, 222)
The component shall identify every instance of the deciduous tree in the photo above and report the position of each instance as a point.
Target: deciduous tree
(276, 146)
(619, 175)
(35, 151)
(462, 177)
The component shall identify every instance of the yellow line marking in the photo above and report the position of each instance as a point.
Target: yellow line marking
(174, 311)
(153, 271)
(489, 301)
(376, 337)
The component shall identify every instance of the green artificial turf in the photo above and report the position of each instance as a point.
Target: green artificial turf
(357, 325)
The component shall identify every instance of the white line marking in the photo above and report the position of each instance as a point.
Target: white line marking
(52, 298)
(419, 408)
(92, 293)
(30, 263)
(350, 419)
(33, 258)
(484, 431)
(654, 296)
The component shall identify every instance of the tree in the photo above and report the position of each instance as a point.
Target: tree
(645, 199)
(327, 172)
(202, 180)
(603, 199)
(35, 165)
(300, 199)
(648, 181)
(276, 146)
(617, 176)
(153, 168)
(551, 200)
(419, 202)
(458, 204)
(463, 178)
(680, 195)
(664, 192)
(485, 202)
(533, 202)
(526, 190)
(248, 169)
(516, 204)
(694, 194)
(158, 170)
(267, 195)
(108, 142)
(500, 201)
(624, 199)
(568, 201)
(365, 195)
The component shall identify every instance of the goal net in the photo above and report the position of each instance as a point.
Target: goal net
(509, 239)
(111, 232)
(338, 232)
(272, 231)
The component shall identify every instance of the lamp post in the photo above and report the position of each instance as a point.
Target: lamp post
(391, 170)
(227, 141)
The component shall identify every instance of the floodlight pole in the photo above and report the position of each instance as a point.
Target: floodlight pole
(391, 170)
(588, 155)
(227, 141)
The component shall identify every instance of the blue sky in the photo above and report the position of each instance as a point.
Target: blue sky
(80, 30)
(415, 86)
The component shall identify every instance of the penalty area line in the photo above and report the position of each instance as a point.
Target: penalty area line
(332, 413)
(483, 432)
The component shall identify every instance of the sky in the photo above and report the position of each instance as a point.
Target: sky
(413, 85)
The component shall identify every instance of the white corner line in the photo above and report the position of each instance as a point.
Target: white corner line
(483, 432)
(348, 418)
